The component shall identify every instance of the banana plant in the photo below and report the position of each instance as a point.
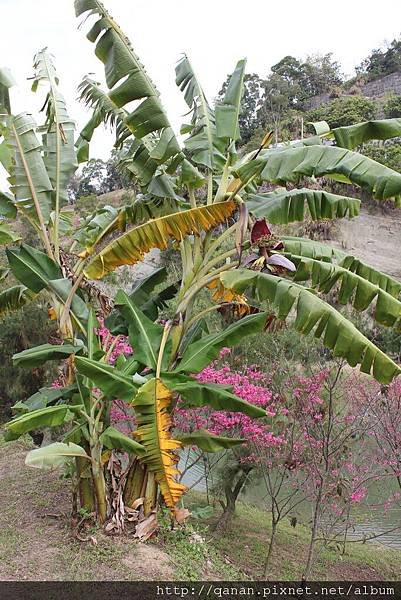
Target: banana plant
(204, 199)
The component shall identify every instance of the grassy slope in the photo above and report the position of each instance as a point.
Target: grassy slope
(36, 542)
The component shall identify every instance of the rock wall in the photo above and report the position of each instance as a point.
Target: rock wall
(389, 84)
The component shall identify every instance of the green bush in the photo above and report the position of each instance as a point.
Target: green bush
(387, 153)
(392, 108)
(23, 329)
(345, 111)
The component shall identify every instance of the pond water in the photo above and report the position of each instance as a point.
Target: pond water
(369, 522)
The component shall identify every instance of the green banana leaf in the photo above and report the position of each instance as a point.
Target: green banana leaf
(37, 271)
(109, 379)
(290, 165)
(319, 251)
(385, 282)
(352, 136)
(34, 357)
(209, 442)
(134, 157)
(285, 206)
(311, 249)
(14, 298)
(353, 289)
(115, 440)
(227, 112)
(55, 455)
(44, 397)
(29, 179)
(144, 335)
(58, 139)
(7, 206)
(32, 267)
(195, 395)
(202, 143)
(199, 354)
(7, 236)
(51, 416)
(128, 81)
(338, 334)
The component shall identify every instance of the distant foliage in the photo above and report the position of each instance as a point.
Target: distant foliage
(392, 108)
(345, 111)
(270, 103)
(387, 153)
(382, 61)
(20, 330)
(99, 177)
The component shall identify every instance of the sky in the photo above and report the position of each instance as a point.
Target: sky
(214, 34)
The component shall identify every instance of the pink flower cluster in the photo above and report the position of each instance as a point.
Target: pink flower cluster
(246, 385)
(112, 345)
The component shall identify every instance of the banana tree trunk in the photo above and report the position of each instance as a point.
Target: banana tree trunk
(85, 487)
(141, 483)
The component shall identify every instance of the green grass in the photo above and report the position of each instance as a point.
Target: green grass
(245, 542)
(36, 541)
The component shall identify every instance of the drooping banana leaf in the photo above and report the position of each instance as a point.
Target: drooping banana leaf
(109, 219)
(32, 267)
(112, 438)
(319, 251)
(311, 312)
(29, 179)
(58, 139)
(51, 416)
(311, 249)
(14, 298)
(132, 246)
(202, 142)
(135, 160)
(227, 112)
(353, 288)
(289, 165)
(55, 455)
(202, 352)
(112, 382)
(39, 272)
(385, 282)
(154, 424)
(285, 206)
(44, 397)
(209, 442)
(127, 81)
(195, 394)
(352, 136)
(134, 157)
(34, 357)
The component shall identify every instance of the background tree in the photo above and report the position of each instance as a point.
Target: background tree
(382, 61)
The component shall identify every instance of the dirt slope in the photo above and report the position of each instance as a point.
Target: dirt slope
(375, 238)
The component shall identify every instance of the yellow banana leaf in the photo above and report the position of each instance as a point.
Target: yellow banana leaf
(154, 425)
(131, 247)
